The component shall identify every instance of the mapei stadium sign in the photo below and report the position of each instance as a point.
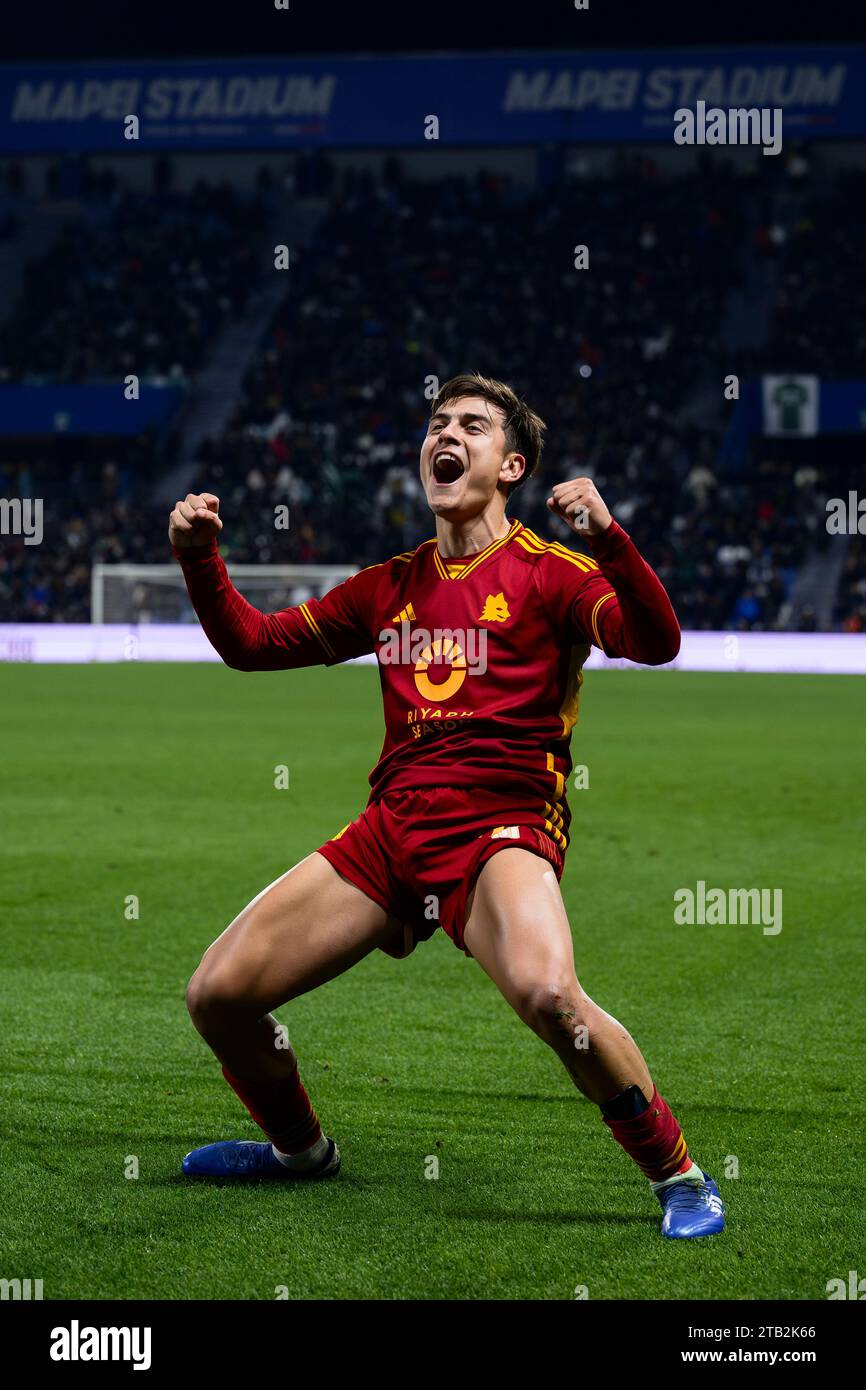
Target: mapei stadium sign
(462, 100)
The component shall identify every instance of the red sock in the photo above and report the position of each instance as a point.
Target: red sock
(282, 1109)
(653, 1139)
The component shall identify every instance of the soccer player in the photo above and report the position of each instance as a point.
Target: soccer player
(481, 634)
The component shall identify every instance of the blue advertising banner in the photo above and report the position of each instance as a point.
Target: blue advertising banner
(90, 410)
(843, 407)
(792, 406)
(459, 100)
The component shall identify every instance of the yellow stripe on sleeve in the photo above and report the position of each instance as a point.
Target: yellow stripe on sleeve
(585, 560)
(317, 631)
(537, 547)
(594, 619)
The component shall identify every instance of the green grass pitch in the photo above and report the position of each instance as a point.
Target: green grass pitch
(158, 782)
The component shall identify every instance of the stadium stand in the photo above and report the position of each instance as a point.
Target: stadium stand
(621, 359)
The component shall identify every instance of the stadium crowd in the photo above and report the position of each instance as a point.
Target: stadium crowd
(135, 283)
(404, 283)
(818, 323)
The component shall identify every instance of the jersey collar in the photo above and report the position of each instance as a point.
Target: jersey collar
(441, 563)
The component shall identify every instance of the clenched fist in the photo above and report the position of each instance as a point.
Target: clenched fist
(195, 520)
(579, 503)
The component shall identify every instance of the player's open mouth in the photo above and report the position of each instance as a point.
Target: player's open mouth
(447, 468)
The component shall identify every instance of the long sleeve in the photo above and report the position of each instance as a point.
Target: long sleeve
(639, 621)
(319, 632)
(612, 599)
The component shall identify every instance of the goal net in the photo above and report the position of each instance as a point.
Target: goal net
(157, 593)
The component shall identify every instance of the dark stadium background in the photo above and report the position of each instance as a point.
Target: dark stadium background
(728, 262)
(106, 29)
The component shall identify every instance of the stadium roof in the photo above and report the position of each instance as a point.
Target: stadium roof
(107, 29)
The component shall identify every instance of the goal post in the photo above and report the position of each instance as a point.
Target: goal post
(157, 593)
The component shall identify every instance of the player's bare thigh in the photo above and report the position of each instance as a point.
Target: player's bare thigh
(517, 929)
(307, 927)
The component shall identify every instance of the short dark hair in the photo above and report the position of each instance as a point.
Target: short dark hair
(524, 430)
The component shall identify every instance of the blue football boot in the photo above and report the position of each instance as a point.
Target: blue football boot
(245, 1158)
(691, 1208)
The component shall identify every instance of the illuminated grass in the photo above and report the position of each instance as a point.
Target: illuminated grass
(157, 781)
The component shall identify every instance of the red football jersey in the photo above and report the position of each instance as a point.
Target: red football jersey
(480, 659)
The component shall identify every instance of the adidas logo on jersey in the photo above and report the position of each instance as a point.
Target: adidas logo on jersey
(406, 615)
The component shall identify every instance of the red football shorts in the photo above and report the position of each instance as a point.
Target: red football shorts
(418, 853)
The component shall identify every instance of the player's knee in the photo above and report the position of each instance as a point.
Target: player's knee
(554, 1010)
(210, 996)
